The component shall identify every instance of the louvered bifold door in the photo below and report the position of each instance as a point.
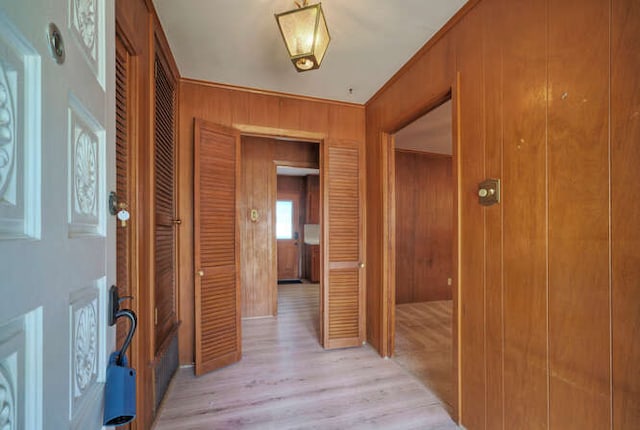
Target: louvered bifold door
(343, 293)
(216, 240)
(165, 212)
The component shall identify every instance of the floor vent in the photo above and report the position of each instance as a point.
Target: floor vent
(165, 370)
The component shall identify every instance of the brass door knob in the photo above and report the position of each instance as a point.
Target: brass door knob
(361, 265)
(201, 273)
(177, 221)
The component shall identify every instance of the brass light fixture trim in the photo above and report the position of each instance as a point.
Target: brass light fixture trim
(305, 35)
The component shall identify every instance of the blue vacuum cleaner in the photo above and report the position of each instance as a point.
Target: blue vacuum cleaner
(120, 391)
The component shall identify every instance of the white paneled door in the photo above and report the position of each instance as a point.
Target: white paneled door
(57, 239)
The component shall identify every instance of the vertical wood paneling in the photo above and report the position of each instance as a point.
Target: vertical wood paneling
(524, 210)
(471, 162)
(424, 232)
(217, 292)
(625, 212)
(258, 280)
(494, 127)
(560, 320)
(579, 291)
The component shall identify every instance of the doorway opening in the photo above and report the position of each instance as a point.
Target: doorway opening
(298, 225)
(280, 234)
(424, 242)
(297, 210)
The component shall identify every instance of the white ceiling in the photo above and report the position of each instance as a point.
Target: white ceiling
(431, 132)
(237, 42)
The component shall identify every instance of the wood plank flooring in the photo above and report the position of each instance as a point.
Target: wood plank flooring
(424, 346)
(285, 380)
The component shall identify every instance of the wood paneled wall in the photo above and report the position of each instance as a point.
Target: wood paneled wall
(424, 227)
(258, 272)
(253, 112)
(546, 97)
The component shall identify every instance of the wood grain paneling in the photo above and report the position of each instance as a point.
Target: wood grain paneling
(258, 278)
(472, 219)
(494, 245)
(524, 227)
(424, 227)
(625, 212)
(251, 111)
(312, 199)
(548, 277)
(258, 191)
(217, 246)
(578, 151)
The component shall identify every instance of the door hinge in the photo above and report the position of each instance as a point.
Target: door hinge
(155, 316)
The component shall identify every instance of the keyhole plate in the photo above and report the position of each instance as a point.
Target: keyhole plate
(56, 44)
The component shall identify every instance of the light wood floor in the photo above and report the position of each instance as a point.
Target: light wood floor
(285, 380)
(423, 345)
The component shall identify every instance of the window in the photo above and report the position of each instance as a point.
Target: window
(284, 219)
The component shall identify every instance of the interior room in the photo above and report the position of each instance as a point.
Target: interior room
(140, 142)
(424, 239)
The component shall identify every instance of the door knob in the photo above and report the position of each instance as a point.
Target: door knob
(201, 273)
(361, 265)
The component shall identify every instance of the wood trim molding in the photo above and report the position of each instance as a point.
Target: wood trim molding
(388, 151)
(423, 153)
(279, 133)
(269, 92)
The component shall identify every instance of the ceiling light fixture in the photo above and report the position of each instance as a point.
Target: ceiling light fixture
(305, 34)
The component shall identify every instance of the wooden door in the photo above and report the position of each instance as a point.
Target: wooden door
(343, 295)
(57, 241)
(288, 242)
(216, 246)
(164, 205)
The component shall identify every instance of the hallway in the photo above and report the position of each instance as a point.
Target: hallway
(285, 380)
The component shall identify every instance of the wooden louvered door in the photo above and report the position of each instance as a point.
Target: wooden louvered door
(217, 246)
(165, 206)
(343, 300)
(125, 89)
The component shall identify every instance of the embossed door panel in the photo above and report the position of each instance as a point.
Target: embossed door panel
(57, 241)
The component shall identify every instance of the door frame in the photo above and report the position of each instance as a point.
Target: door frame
(277, 163)
(389, 232)
(320, 139)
